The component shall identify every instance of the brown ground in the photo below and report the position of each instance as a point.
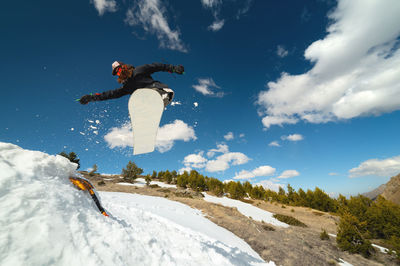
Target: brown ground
(285, 246)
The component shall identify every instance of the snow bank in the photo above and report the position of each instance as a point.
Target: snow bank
(44, 220)
(246, 209)
(140, 182)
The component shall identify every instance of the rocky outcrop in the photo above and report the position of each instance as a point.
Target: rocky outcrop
(392, 189)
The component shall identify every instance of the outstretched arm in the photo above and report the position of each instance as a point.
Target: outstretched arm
(107, 95)
(156, 67)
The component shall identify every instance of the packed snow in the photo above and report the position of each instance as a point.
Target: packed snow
(140, 182)
(45, 220)
(246, 209)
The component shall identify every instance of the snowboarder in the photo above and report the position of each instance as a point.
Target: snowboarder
(134, 78)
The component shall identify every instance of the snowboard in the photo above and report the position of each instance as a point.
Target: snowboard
(145, 109)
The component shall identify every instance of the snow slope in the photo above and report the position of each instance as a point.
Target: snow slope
(246, 209)
(140, 182)
(44, 220)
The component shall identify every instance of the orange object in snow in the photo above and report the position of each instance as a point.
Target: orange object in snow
(83, 184)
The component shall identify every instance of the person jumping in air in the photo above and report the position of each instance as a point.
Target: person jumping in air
(134, 78)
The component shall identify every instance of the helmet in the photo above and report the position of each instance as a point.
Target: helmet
(115, 66)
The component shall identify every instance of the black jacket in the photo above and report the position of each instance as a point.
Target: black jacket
(141, 78)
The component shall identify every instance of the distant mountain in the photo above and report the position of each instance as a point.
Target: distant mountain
(375, 193)
(392, 189)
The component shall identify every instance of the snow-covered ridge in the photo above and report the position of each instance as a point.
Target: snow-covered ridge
(64, 227)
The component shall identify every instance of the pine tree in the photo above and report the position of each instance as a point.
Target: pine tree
(72, 157)
(350, 236)
(167, 177)
(154, 175)
(147, 179)
(131, 172)
(183, 180)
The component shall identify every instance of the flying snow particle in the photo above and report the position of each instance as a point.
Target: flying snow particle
(72, 129)
(196, 104)
(83, 134)
(90, 121)
(96, 132)
(97, 122)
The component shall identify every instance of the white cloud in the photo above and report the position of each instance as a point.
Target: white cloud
(245, 9)
(264, 170)
(151, 15)
(103, 6)
(229, 136)
(206, 86)
(169, 133)
(288, 174)
(293, 137)
(269, 184)
(215, 7)
(241, 135)
(223, 162)
(120, 137)
(356, 69)
(221, 148)
(195, 160)
(274, 144)
(166, 136)
(216, 25)
(333, 174)
(375, 167)
(182, 170)
(281, 51)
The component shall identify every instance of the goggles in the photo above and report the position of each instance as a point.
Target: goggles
(119, 70)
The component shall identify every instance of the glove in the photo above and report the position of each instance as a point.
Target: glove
(85, 99)
(179, 69)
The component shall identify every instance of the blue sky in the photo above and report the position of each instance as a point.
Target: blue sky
(299, 92)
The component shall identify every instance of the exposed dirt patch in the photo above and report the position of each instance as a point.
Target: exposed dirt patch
(285, 246)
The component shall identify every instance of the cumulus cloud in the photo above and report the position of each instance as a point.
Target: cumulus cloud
(269, 184)
(169, 133)
(224, 161)
(274, 144)
(356, 69)
(293, 137)
(264, 170)
(206, 87)
(288, 174)
(120, 136)
(221, 148)
(166, 137)
(182, 170)
(375, 167)
(195, 160)
(103, 6)
(281, 51)
(220, 163)
(151, 15)
(229, 136)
